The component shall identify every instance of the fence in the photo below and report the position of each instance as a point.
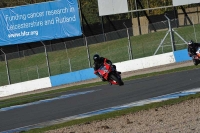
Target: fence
(119, 46)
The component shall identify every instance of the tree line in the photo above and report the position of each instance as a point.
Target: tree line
(89, 8)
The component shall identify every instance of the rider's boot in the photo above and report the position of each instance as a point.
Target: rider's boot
(118, 72)
(103, 79)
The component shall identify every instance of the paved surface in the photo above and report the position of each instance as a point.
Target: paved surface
(124, 75)
(100, 97)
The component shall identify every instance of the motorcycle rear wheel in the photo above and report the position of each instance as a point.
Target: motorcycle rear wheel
(119, 81)
(196, 62)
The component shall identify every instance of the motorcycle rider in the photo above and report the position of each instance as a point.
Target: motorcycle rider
(192, 48)
(98, 62)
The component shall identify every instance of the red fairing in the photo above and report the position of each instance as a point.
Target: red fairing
(109, 73)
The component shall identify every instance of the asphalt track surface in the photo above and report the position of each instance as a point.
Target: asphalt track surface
(100, 97)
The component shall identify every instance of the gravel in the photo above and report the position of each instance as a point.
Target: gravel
(179, 118)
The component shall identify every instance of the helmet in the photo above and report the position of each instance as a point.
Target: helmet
(96, 57)
(190, 43)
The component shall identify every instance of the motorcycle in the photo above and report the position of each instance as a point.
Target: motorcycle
(196, 58)
(109, 73)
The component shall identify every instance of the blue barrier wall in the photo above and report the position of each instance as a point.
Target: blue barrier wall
(181, 55)
(72, 77)
(86, 74)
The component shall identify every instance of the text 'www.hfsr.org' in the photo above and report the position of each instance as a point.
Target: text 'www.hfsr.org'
(23, 33)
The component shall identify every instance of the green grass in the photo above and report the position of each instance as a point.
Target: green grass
(27, 68)
(55, 93)
(116, 50)
(116, 113)
(125, 111)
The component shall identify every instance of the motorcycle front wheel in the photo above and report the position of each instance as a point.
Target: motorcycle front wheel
(115, 78)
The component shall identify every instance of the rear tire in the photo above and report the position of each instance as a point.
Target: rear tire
(196, 62)
(114, 77)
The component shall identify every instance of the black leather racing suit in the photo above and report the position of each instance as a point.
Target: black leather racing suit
(99, 63)
(192, 49)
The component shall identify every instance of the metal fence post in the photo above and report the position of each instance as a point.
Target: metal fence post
(129, 44)
(88, 52)
(37, 69)
(102, 26)
(171, 34)
(47, 59)
(194, 30)
(7, 68)
(70, 67)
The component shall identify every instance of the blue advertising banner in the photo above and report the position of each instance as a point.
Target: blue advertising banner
(37, 22)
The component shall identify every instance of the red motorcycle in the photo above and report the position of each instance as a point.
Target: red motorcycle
(109, 73)
(196, 58)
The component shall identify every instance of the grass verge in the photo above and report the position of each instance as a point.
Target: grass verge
(116, 113)
(73, 59)
(54, 93)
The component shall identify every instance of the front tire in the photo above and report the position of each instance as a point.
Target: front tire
(119, 81)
